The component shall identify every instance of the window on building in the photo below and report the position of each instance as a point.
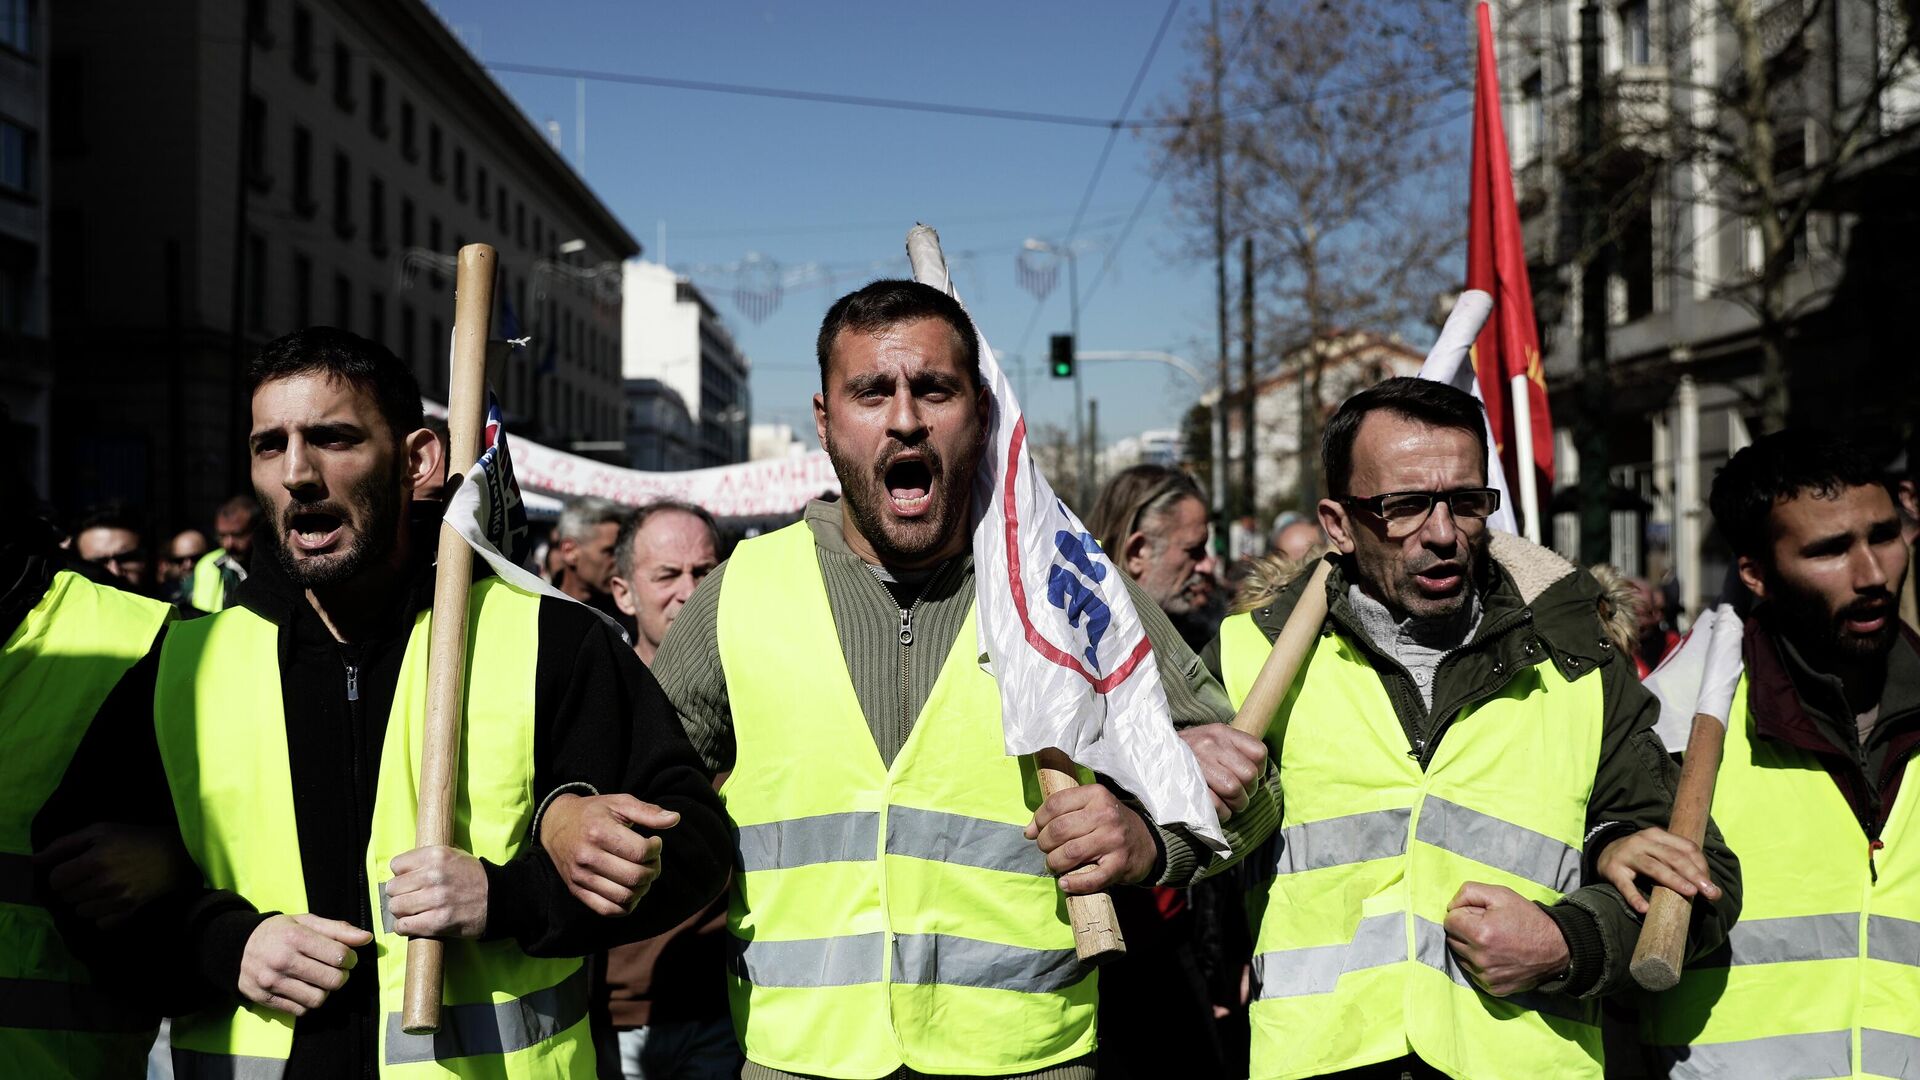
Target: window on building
(303, 203)
(539, 235)
(1636, 33)
(377, 104)
(480, 190)
(342, 195)
(256, 282)
(342, 302)
(303, 61)
(16, 25)
(434, 236)
(409, 145)
(18, 152)
(408, 342)
(406, 222)
(343, 76)
(436, 165)
(302, 286)
(520, 223)
(256, 23)
(377, 314)
(377, 215)
(253, 138)
(460, 174)
(500, 206)
(67, 104)
(1533, 101)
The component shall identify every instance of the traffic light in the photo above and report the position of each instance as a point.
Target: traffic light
(1062, 353)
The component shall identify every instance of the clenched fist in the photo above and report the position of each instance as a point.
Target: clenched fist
(1504, 942)
(1232, 762)
(1092, 840)
(438, 892)
(605, 863)
(293, 962)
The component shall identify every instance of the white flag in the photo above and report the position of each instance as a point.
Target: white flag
(1071, 658)
(1450, 362)
(1699, 675)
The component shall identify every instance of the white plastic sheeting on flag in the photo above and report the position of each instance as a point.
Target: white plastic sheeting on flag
(1699, 676)
(1451, 361)
(1065, 645)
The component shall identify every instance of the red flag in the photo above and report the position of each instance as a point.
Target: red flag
(1497, 263)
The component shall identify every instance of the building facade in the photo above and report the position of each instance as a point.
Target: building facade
(674, 335)
(660, 433)
(1349, 361)
(26, 366)
(299, 162)
(1686, 255)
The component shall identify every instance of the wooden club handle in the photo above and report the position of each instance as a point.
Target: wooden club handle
(447, 656)
(1096, 929)
(1290, 650)
(1661, 951)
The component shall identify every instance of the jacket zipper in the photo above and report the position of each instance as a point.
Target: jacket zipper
(365, 913)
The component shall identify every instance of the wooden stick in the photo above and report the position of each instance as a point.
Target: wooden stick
(1661, 952)
(453, 576)
(1290, 650)
(1096, 929)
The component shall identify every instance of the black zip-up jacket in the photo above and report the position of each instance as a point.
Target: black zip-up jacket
(600, 719)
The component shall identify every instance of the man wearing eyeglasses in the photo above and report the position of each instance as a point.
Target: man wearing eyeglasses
(1463, 743)
(110, 539)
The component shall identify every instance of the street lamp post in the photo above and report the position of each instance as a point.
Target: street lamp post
(1082, 453)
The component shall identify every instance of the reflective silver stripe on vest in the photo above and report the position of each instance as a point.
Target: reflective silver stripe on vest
(927, 959)
(486, 1028)
(1889, 1053)
(1897, 941)
(1316, 969)
(46, 1005)
(199, 1065)
(831, 961)
(16, 880)
(1787, 940)
(967, 841)
(1820, 1054)
(1486, 839)
(782, 845)
(1316, 845)
(1430, 948)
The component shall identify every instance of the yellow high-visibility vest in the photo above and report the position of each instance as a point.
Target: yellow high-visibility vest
(884, 916)
(1821, 975)
(1350, 949)
(222, 732)
(208, 590)
(57, 668)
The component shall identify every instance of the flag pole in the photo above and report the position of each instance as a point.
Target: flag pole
(1529, 483)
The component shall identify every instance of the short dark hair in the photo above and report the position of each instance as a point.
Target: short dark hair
(630, 527)
(1778, 467)
(368, 365)
(890, 302)
(238, 504)
(1434, 404)
(110, 515)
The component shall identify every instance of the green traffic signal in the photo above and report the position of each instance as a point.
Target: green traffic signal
(1060, 348)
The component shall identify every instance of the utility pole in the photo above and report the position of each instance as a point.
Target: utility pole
(1590, 427)
(1073, 294)
(1093, 445)
(237, 408)
(1249, 503)
(1218, 61)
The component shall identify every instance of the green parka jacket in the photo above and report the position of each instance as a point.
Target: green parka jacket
(1537, 608)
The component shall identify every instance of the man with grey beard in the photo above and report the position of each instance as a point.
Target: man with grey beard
(892, 913)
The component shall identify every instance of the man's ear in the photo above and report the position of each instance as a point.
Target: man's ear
(1753, 576)
(1335, 523)
(623, 597)
(983, 406)
(426, 457)
(1908, 495)
(820, 418)
(1134, 554)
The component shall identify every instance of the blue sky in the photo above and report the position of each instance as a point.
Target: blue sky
(800, 183)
